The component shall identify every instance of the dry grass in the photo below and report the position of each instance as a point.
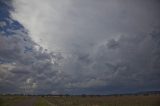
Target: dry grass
(151, 100)
(105, 101)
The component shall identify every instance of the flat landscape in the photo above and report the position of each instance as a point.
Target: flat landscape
(140, 100)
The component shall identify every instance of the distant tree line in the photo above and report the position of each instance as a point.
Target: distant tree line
(86, 95)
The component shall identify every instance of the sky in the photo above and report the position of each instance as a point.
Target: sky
(79, 46)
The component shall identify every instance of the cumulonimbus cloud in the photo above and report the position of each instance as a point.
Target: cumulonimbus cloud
(102, 44)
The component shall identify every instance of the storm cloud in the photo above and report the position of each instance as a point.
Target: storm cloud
(74, 46)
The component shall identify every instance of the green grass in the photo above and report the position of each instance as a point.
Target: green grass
(10, 100)
(41, 102)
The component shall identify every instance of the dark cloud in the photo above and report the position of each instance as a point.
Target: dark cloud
(114, 48)
(25, 67)
(129, 64)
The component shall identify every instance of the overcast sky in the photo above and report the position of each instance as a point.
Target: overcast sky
(79, 46)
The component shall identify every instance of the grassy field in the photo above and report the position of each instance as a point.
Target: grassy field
(151, 100)
(11, 100)
(106, 101)
(41, 102)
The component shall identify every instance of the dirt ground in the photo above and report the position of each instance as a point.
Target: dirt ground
(27, 102)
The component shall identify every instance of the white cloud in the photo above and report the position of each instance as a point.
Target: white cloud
(64, 24)
(42, 19)
(28, 80)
